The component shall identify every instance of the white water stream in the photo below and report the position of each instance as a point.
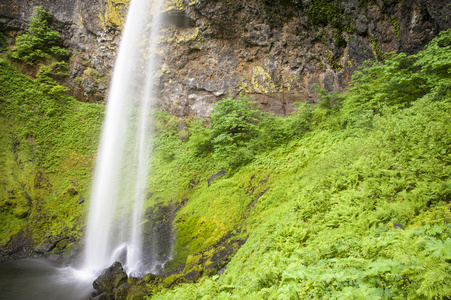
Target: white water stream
(121, 171)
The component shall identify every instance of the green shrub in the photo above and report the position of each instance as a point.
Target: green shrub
(394, 83)
(40, 42)
(199, 140)
(46, 76)
(239, 130)
(275, 131)
(435, 59)
(398, 81)
(234, 124)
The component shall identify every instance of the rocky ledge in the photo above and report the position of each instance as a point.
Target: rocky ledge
(277, 51)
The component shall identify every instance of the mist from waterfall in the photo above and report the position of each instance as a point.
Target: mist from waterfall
(122, 166)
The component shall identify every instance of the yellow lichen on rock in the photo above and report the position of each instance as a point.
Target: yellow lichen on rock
(168, 36)
(165, 69)
(187, 35)
(114, 14)
(172, 5)
(80, 16)
(262, 81)
(243, 86)
(287, 83)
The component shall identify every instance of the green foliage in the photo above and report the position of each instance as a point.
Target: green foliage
(277, 130)
(234, 121)
(393, 84)
(234, 124)
(48, 145)
(398, 81)
(40, 42)
(324, 12)
(46, 76)
(239, 131)
(316, 194)
(199, 139)
(435, 60)
(319, 202)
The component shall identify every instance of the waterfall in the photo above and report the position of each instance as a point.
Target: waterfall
(122, 166)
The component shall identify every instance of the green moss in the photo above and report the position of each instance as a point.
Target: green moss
(377, 51)
(3, 42)
(21, 212)
(94, 74)
(171, 279)
(324, 12)
(78, 80)
(50, 142)
(395, 23)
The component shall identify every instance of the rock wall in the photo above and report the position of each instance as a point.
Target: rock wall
(276, 51)
(89, 29)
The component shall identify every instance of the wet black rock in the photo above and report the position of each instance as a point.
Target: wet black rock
(192, 276)
(158, 235)
(47, 245)
(214, 176)
(110, 279)
(397, 226)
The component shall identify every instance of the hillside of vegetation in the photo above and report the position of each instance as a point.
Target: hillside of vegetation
(48, 144)
(349, 199)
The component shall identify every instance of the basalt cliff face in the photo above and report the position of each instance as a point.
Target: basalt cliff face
(277, 51)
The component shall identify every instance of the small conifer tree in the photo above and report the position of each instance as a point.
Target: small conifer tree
(40, 42)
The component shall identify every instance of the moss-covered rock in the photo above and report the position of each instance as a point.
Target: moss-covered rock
(110, 279)
(134, 288)
(205, 263)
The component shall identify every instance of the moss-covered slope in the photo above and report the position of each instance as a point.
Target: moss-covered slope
(48, 144)
(353, 204)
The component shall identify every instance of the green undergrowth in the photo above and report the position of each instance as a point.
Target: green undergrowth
(48, 146)
(353, 204)
(48, 141)
(347, 199)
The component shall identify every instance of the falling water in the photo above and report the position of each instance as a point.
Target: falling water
(118, 192)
